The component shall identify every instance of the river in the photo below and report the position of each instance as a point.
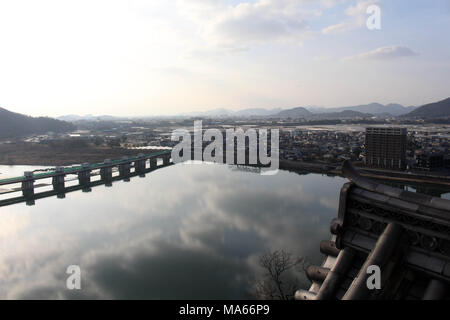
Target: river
(182, 232)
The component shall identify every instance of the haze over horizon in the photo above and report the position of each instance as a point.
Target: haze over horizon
(135, 58)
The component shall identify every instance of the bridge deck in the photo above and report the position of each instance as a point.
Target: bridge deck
(76, 169)
(68, 189)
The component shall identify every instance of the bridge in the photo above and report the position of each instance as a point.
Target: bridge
(109, 171)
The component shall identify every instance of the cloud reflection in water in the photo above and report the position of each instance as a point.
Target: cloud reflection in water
(183, 232)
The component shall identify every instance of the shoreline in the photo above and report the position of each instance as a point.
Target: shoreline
(22, 154)
(45, 155)
(380, 174)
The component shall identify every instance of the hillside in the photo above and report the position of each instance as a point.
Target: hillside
(88, 117)
(365, 110)
(372, 108)
(14, 125)
(440, 109)
(299, 112)
(257, 112)
(346, 114)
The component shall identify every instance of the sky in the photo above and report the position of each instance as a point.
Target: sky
(166, 57)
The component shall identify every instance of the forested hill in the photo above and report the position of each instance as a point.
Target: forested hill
(440, 109)
(14, 125)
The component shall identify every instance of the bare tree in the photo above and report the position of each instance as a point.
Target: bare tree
(279, 281)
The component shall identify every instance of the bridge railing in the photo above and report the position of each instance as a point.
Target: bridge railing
(80, 168)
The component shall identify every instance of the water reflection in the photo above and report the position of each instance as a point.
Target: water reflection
(183, 232)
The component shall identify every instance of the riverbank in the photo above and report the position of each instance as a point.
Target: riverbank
(306, 166)
(380, 174)
(47, 155)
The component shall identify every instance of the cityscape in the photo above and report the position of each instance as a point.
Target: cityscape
(212, 151)
(423, 147)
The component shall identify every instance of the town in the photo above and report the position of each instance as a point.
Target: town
(427, 146)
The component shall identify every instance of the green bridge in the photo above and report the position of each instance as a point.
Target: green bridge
(141, 164)
(76, 169)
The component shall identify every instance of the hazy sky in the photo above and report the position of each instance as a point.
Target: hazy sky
(154, 57)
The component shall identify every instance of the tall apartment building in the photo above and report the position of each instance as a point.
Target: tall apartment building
(386, 148)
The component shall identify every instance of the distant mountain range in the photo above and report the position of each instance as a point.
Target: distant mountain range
(257, 112)
(392, 109)
(221, 112)
(365, 110)
(345, 114)
(299, 112)
(440, 109)
(88, 117)
(372, 108)
(16, 125)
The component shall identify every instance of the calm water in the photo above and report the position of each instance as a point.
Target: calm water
(183, 232)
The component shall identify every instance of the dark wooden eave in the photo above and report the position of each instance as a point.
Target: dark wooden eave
(406, 234)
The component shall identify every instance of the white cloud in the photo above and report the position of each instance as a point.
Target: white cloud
(248, 23)
(383, 53)
(337, 28)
